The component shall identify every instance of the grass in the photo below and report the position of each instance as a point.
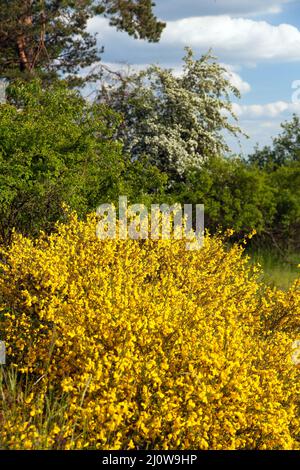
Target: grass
(18, 398)
(277, 271)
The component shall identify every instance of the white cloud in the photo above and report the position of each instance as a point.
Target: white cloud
(234, 40)
(241, 39)
(261, 122)
(236, 80)
(268, 110)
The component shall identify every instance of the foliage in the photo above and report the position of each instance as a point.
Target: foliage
(176, 121)
(284, 151)
(240, 195)
(54, 148)
(142, 344)
(58, 148)
(48, 37)
(135, 17)
(281, 165)
(235, 196)
(286, 225)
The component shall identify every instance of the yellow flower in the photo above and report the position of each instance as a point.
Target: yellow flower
(129, 344)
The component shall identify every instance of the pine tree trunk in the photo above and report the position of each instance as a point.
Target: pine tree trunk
(22, 42)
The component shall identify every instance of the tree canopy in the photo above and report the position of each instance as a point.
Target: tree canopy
(177, 121)
(48, 37)
(284, 150)
(55, 148)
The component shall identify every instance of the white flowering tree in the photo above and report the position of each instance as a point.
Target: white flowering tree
(176, 120)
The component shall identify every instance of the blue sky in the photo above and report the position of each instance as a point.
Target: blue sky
(257, 40)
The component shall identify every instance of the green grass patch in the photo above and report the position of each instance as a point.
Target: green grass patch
(278, 270)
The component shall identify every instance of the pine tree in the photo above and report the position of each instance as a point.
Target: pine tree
(49, 37)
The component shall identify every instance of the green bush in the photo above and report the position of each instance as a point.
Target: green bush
(55, 147)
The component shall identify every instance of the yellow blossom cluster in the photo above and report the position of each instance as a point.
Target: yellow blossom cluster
(121, 344)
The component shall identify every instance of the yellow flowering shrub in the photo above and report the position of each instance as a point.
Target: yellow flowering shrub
(120, 344)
